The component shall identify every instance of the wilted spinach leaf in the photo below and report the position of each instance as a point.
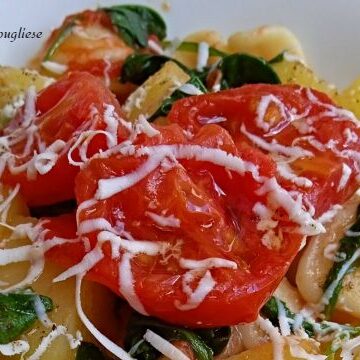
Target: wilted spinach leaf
(348, 246)
(17, 314)
(204, 343)
(136, 23)
(89, 351)
(241, 69)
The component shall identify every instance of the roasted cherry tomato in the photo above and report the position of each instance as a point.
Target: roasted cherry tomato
(195, 210)
(198, 227)
(86, 41)
(39, 140)
(302, 129)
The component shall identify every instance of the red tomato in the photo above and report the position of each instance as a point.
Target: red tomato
(91, 43)
(214, 206)
(64, 109)
(212, 225)
(306, 113)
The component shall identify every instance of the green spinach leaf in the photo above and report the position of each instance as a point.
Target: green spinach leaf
(348, 246)
(241, 69)
(138, 68)
(278, 58)
(17, 314)
(271, 311)
(136, 23)
(204, 343)
(166, 106)
(89, 351)
(311, 327)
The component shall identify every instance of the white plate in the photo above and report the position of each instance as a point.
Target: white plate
(328, 29)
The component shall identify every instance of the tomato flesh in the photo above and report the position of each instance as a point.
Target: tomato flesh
(214, 206)
(63, 109)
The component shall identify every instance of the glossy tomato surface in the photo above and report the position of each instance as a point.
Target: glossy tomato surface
(62, 111)
(293, 117)
(213, 205)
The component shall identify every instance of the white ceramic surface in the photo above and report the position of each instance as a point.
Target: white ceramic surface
(328, 29)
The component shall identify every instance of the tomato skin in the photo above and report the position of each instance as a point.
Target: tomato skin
(215, 208)
(240, 293)
(93, 45)
(63, 108)
(239, 106)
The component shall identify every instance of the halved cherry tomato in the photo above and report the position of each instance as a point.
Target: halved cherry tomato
(86, 41)
(214, 206)
(212, 224)
(63, 110)
(296, 117)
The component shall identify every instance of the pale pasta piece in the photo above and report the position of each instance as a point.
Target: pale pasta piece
(350, 98)
(294, 72)
(266, 42)
(147, 98)
(289, 295)
(211, 37)
(265, 351)
(13, 84)
(62, 294)
(314, 266)
(251, 335)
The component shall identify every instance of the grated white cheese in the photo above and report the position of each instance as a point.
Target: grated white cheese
(295, 152)
(344, 269)
(87, 263)
(88, 226)
(285, 113)
(330, 252)
(327, 216)
(55, 67)
(197, 296)
(101, 338)
(279, 197)
(6, 203)
(82, 144)
(346, 173)
(41, 312)
(265, 214)
(112, 124)
(10, 109)
(350, 137)
(209, 263)
(287, 173)
(84, 206)
(203, 120)
(338, 114)
(283, 319)
(156, 154)
(166, 221)
(352, 233)
(30, 106)
(348, 347)
(190, 89)
(143, 126)
(300, 353)
(203, 55)
(275, 337)
(14, 348)
(155, 47)
(164, 346)
(126, 282)
(46, 341)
